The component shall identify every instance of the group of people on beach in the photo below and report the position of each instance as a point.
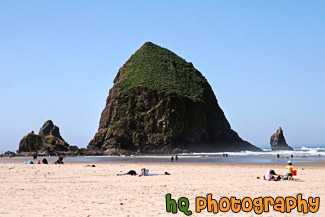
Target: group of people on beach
(172, 158)
(271, 175)
(224, 155)
(44, 160)
(278, 156)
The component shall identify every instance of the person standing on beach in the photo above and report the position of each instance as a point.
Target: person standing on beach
(176, 158)
(172, 159)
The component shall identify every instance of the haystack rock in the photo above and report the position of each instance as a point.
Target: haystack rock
(161, 104)
(49, 141)
(278, 141)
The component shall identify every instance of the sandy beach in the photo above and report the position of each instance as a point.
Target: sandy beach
(74, 189)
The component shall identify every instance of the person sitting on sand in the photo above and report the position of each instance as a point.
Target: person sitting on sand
(271, 176)
(44, 161)
(289, 169)
(59, 161)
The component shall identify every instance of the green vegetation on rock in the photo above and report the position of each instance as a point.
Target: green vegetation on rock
(161, 70)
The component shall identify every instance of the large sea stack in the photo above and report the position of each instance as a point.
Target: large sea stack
(161, 104)
(48, 141)
(278, 141)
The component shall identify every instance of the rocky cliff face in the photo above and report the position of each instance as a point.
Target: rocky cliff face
(278, 141)
(161, 104)
(49, 141)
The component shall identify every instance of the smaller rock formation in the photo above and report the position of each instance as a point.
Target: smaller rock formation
(278, 141)
(9, 154)
(48, 142)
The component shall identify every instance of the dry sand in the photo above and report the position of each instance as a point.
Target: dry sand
(76, 190)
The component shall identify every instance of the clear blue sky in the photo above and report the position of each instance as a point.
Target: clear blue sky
(265, 61)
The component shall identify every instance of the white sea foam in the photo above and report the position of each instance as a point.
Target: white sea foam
(297, 152)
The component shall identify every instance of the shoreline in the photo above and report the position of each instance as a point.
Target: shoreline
(316, 164)
(188, 160)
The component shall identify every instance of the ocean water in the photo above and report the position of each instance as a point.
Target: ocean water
(302, 152)
(303, 155)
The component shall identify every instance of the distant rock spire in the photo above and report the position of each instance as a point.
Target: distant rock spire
(278, 141)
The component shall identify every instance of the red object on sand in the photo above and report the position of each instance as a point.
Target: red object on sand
(294, 172)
